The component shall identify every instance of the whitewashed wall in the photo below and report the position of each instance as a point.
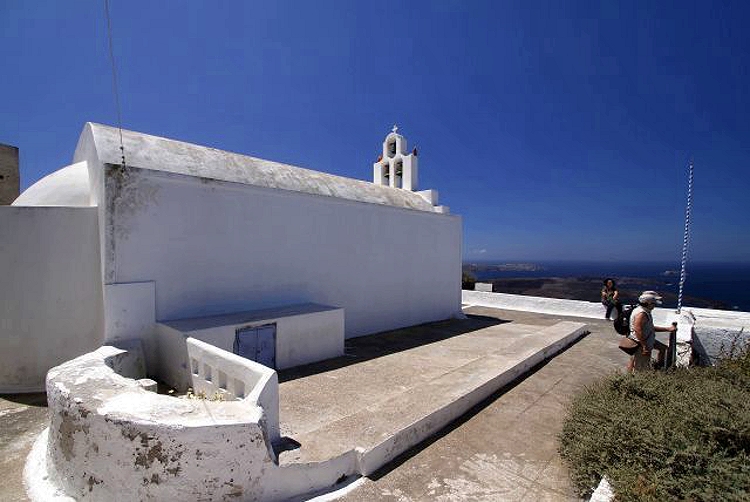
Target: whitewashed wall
(50, 291)
(304, 333)
(216, 247)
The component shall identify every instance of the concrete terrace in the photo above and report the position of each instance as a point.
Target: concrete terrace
(393, 390)
(401, 387)
(504, 449)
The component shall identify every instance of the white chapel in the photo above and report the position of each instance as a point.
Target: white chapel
(274, 262)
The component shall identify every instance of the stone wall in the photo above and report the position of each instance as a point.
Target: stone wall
(10, 181)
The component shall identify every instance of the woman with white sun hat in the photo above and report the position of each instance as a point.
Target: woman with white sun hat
(643, 331)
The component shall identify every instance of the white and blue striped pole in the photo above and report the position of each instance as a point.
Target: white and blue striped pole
(686, 236)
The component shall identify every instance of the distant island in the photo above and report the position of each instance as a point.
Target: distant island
(502, 267)
(586, 288)
(580, 287)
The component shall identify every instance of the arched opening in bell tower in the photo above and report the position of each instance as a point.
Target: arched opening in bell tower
(391, 148)
(399, 173)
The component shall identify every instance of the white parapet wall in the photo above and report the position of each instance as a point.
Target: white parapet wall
(704, 333)
(718, 332)
(215, 373)
(483, 286)
(539, 304)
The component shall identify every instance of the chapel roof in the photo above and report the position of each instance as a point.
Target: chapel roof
(145, 151)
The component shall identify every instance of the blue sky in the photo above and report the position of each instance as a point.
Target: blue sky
(557, 130)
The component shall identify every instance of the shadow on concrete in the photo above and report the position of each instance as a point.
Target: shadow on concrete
(364, 348)
(470, 413)
(38, 399)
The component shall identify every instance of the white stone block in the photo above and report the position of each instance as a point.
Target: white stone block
(430, 196)
(130, 313)
(130, 310)
(147, 384)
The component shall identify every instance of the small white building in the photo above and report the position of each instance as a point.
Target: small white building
(272, 261)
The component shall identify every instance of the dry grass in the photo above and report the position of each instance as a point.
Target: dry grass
(678, 435)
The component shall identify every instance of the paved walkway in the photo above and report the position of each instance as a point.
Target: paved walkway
(507, 449)
(393, 390)
(22, 418)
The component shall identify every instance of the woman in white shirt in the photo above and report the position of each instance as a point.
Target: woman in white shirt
(643, 331)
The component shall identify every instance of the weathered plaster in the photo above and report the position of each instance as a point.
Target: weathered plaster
(109, 439)
(161, 154)
(127, 193)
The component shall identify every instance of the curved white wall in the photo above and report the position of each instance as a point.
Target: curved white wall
(50, 291)
(110, 439)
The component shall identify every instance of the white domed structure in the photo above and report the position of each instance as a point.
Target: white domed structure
(68, 186)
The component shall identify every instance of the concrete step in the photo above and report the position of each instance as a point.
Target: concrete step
(382, 430)
(378, 367)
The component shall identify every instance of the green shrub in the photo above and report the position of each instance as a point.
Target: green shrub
(467, 280)
(678, 435)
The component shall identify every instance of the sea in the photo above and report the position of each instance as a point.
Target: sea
(728, 283)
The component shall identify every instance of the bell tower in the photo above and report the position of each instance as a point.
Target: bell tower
(395, 167)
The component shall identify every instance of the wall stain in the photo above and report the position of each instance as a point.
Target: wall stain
(93, 481)
(146, 459)
(127, 192)
(68, 427)
(236, 490)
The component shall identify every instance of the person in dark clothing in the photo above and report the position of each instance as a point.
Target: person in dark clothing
(610, 297)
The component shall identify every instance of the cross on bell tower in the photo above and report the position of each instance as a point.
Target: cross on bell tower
(395, 167)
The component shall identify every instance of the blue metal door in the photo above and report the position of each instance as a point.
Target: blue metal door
(246, 342)
(257, 343)
(266, 346)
